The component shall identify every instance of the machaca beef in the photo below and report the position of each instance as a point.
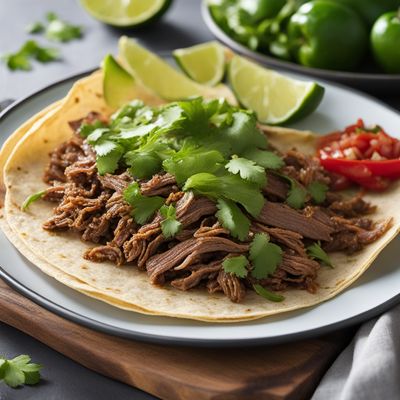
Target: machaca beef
(192, 194)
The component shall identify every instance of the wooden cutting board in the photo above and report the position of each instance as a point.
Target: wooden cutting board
(287, 371)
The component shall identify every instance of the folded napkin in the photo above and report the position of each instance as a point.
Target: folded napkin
(369, 368)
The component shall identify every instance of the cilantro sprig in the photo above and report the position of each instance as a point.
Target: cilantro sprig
(19, 371)
(236, 265)
(144, 207)
(315, 252)
(170, 226)
(31, 50)
(265, 256)
(60, 30)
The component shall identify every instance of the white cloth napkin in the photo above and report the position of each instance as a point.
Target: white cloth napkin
(369, 368)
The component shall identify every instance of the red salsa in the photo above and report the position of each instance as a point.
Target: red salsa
(366, 156)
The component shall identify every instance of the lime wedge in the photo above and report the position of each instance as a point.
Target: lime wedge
(119, 87)
(161, 78)
(273, 97)
(204, 63)
(126, 13)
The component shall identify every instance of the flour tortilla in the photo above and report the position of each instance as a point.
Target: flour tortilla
(60, 254)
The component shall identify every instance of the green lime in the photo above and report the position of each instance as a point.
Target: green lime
(126, 13)
(119, 86)
(204, 63)
(161, 78)
(273, 97)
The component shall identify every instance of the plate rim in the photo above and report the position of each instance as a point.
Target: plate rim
(171, 340)
(286, 65)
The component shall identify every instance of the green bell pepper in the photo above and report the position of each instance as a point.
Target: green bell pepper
(385, 41)
(326, 34)
(261, 9)
(370, 10)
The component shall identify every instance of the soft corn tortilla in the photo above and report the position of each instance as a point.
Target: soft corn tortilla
(60, 255)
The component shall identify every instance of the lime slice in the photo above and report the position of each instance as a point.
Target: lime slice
(119, 86)
(126, 13)
(273, 97)
(163, 79)
(204, 63)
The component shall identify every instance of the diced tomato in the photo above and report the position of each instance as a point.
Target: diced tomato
(369, 157)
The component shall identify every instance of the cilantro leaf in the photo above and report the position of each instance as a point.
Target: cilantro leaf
(243, 133)
(17, 61)
(108, 154)
(144, 207)
(267, 159)
(31, 199)
(143, 164)
(170, 226)
(315, 252)
(317, 191)
(232, 218)
(60, 30)
(13, 375)
(35, 27)
(297, 194)
(86, 129)
(19, 371)
(271, 296)
(265, 256)
(248, 170)
(190, 160)
(229, 186)
(236, 266)
(243, 192)
(21, 59)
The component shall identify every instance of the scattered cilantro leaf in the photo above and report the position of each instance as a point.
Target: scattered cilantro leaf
(35, 27)
(317, 191)
(190, 160)
(19, 371)
(60, 30)
(315, 252)
(170, 226)
(144, 207)
(267, 294)
(248, 170)
(31, 199)
(264, 158)
(265, 256)
(232, 218)
(236, 266)
(30, 50)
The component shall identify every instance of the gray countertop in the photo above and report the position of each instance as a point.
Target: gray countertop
(181, 26)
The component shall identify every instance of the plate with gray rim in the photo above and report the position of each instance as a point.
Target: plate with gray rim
(376, 291)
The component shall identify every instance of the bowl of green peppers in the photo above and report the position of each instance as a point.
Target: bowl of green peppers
(353, 42)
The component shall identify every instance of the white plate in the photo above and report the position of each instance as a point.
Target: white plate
(376, 291)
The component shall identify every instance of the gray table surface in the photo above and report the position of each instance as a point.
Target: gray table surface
(181, 26)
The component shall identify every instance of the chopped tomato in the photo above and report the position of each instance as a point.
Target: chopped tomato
(368, 157)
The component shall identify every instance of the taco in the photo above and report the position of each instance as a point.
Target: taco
(188, 209)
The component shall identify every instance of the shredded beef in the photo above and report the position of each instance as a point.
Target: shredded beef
(94, 206)
(198, 273)
(276, 188)
(159, 185)
(282, 216)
